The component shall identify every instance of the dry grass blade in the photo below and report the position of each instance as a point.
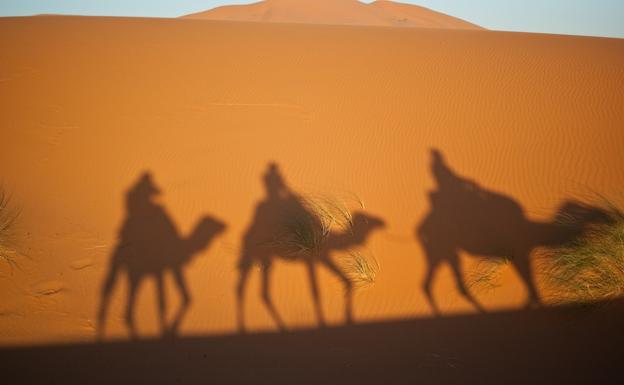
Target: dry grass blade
(361, 269)
(331, 211)
(486, 275)
(304, 230)
(8, 217)
(300, 234)
(590, 268)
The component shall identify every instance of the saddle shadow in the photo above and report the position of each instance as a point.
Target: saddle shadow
(150, 245)
(284, 227)
(464, 216)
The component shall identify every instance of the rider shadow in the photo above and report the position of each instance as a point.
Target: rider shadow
(463, 216)
(150, 245)
(284, 227)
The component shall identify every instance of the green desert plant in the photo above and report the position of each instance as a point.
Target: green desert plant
(361, 269)
(8, 217)
(591, 267)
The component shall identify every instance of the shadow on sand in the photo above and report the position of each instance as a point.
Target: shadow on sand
(463, 216)
(539, 346)
(150, 245)
(284, 227)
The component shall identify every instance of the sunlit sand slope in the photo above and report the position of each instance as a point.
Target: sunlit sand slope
(347, 12)
(90, 104)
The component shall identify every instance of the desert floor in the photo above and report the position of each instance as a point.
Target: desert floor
(381, 116)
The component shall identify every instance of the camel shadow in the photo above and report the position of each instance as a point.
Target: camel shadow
(463, 216)
(149, 245)
(284, 227)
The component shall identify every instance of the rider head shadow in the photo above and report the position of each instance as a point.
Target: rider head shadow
(284, 227)
(149, 245)
(465, 217)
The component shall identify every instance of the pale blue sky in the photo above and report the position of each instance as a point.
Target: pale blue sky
(576, 17)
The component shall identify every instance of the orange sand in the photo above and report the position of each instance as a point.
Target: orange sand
(345, 12)
(90, 103)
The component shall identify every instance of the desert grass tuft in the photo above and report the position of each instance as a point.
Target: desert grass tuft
(8, 218)
(486, 275)
(331, 211)
(591, 267)
(360, 268)
(300, 233)
(307, 224)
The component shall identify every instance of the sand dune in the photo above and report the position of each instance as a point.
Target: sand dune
(90, 104)
(345, 12)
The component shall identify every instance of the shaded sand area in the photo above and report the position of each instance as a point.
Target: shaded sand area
(387, 115)
(546, 346)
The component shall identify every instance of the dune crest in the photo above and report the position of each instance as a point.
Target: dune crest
(341, 12)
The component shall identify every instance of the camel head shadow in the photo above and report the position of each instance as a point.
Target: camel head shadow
(465, 217)
(203, 233)
(363, 224)
(150, 245)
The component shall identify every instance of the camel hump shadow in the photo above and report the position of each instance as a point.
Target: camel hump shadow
(466, 217)
(149, 245)
(283, 227)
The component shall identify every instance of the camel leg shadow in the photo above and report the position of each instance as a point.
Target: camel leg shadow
(457, 269)
(266, 297)
(186, 301)
(240, 297)
(427, 287)
(315, 293)
(161, 302)
(452, 258)
(522, 265)
(107, 290)
(133, 285)
(348, 288)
